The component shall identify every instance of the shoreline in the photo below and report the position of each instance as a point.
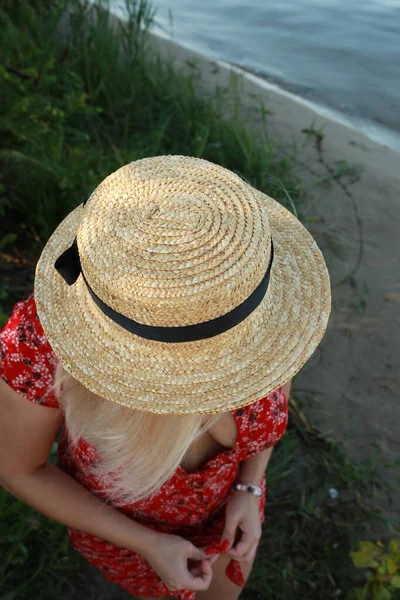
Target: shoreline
(373, 131)
(290, 114)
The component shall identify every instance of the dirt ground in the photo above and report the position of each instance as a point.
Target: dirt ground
(351, 384)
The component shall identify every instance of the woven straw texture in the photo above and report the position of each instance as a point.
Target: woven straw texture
(171, 241)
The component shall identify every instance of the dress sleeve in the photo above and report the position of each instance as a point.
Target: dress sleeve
(27, 361)
(267, 422)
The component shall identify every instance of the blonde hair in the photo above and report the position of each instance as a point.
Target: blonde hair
(139, 451)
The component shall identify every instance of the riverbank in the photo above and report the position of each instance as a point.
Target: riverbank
(351, 384)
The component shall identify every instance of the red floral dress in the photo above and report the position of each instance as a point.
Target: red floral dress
(188, 504)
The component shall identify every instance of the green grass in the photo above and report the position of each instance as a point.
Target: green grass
(37, 561)
(80, 98)
(76, 107)
(79, 105)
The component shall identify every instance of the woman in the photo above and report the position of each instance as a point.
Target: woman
(169, 314)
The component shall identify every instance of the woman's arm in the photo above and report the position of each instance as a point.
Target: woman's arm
(253, 468)
(27, 432)
(243, 529)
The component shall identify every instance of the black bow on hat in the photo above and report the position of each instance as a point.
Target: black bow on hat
(69, 264)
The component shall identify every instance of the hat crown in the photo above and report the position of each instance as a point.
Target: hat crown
(174, 240)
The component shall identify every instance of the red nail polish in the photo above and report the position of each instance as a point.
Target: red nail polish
(225, 546)
(209, 551)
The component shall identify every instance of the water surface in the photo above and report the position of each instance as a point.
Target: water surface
(343, 54)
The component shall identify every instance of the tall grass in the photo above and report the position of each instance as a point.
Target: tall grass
(83, 94)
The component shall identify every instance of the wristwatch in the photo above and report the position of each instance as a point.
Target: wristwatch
(249, 487)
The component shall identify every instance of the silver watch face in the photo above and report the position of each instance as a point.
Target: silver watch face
(248, 487)
(254, 489)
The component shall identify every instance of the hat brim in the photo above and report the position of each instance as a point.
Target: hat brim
(213, 375)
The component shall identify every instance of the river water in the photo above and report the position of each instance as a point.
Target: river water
(340, 54)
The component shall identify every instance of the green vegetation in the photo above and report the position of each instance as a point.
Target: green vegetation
(81, 96)
(383, 577)
(37, 561)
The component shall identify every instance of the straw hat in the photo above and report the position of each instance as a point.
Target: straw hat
(179, 288)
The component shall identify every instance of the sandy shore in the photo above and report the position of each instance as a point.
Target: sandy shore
(351, 383)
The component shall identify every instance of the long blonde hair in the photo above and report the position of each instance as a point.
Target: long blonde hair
(139, 451)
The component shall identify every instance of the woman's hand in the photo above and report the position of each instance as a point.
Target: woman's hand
(180, 564)
(242, 526)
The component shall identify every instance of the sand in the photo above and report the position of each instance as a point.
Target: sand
(350, 386)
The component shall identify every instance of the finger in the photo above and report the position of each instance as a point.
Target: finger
(242, 547)
(249, 556)
(195, 566)
(213, 558)
(195, 553)
(198, 569)
(206, 567)
(202, 580)
(228, 536)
